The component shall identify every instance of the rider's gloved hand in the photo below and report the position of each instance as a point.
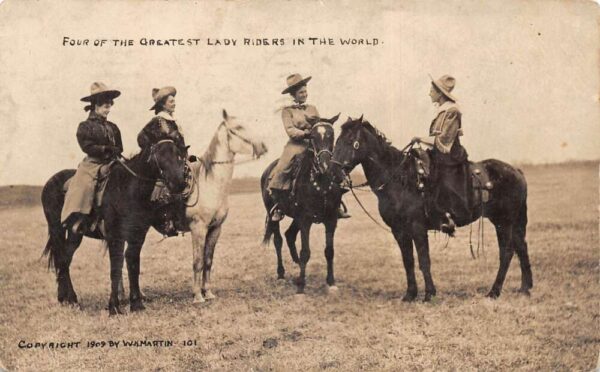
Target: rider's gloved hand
(306, 133)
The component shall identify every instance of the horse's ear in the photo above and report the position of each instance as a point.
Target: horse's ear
(312, 120)
(333, 119)
(225, 116)
(361, 118)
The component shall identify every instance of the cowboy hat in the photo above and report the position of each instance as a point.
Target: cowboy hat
(293, 81)
(159, 94)
(445, 84)
(98, 89)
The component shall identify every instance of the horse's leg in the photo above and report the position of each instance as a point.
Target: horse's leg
(211, 241)
(132, 255)
(66, 292)
(304, 254)
(406, 247)
(115, 250)
(505, 244)
(519, 232)
(121, 290)
(278, 242)
(330, 227)
(290, 237)
(198, 230)
(521, 249)
(419, 235)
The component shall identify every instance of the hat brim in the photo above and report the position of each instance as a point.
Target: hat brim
(169, 92)
(442, 89)
(293, 86)
(111, 94)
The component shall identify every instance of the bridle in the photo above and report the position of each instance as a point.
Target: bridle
(317, 154)
(152, 156)
(231, 131)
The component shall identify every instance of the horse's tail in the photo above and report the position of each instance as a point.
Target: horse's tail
(270, 227)
(52, 203)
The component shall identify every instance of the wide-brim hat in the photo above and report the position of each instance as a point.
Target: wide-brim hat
(100, 89)
(294, 81)
(445, 84)
(159, 94)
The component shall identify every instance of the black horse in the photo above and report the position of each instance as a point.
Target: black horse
(392, 176)
(126, 218)
(316, 199)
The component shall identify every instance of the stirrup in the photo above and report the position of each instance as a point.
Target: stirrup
(341, 213)
(78, 226)
(450, 227)
(276, 214)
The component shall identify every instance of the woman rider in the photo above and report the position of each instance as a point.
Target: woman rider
(449, 157)
(297, 127)
(164, 126)
(101, 141)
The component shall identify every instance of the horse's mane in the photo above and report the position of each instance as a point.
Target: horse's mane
(208, 158)
(390, 154)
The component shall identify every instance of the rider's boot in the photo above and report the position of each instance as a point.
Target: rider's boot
(276, 213)
(449, 227)
(342, 211)
(79, 223)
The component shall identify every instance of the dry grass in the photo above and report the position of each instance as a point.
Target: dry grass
(257, 323)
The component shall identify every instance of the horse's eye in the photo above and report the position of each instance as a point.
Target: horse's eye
(356, 145)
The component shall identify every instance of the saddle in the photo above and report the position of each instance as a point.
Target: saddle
(480, 180)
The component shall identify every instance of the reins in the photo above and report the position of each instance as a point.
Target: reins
(349, 179)
(122, 159)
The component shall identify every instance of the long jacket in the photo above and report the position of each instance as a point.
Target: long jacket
(294, 123)
(446, 127)
(162, 126)
(96, 137)
(294, 120)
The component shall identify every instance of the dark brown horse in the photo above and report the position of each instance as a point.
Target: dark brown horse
(393, 178)
(317, 197)
(125, 211)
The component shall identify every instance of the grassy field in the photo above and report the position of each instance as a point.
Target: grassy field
(258, 323)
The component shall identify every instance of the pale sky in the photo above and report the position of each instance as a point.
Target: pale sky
(527, 73)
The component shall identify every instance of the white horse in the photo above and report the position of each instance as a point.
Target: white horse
(208, 202)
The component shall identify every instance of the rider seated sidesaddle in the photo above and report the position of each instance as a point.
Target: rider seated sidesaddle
(295, 170)
(94, 224)
(481, 183)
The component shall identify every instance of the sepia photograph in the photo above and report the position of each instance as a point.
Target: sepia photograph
(264, 185)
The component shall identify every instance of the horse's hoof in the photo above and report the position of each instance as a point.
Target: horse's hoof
(198, 300)
(208, 295)
(430, 298)
(332, 289)
(409, 297)
(114, 310)
(493, 295)
(280, 276)
(136, 305)
(525, 292)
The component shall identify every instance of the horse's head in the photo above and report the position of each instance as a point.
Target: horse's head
(321, 138)
(353, 144)
(169, 163)
(240, 138)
